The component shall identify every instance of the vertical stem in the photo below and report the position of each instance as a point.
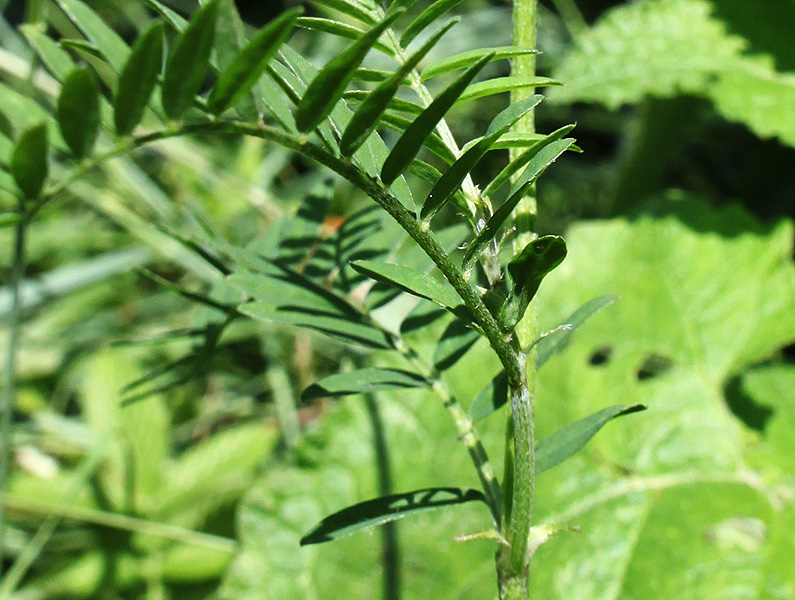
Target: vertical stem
(513, 561)
(18, 270)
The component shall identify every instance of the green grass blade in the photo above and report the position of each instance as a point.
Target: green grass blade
(366, 117)
(327, 87)
(535, 168)
(363, 381)
(414, 282)
(566, 442)
(138, 79)
(455, 175)
(559, 338)
(246, 68)
(501, 85)
(386, 509)
(187, 66)
(520, 161)
(78, 111)
(412, 140)
(29, 165)
(59, 63)
(466, 59)
(425, 18)
(94, 28)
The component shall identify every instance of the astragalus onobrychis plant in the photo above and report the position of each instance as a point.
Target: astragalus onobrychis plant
(205, 77)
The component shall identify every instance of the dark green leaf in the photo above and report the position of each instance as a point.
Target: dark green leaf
(78, 111)
(187, 66)
(454, 343)
(520, 161)
(501, 85)
(411, 281)
(395, 103)
(426, 17)
(455, 175)
(176, 21)
(433, 143)
(414, 137)
(137, 80)
(365, 119)
(337, 28)
(230, 39)
(566, 442)
(249, 64)
(424, 314)
(363, 381)
(109, 43)
(327, 87)
(465, 59)
(383, 510)
(83, 47)
(559, 338)
(29, 160)
(491, 398)
(537, 166)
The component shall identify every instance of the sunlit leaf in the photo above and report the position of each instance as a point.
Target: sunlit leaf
(466, 59)
(501, 85)
(414, 282)
(454, 343)
(429, 15)
(363, 381)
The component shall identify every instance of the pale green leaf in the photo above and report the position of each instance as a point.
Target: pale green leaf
(363, 381)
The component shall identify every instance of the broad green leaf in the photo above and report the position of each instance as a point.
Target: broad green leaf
(384, 510)
(29, 164)
(137, 80)
(559, 337)
(538, 164)
(363, 381)
(429, 15)
(412, 140)
(366, 117)
(109, 43)
(501, 85)
(466, 59)
(187, 66)
(520, 161)
(340, 29)
(327, 87)
(53, 56)
(413, 282)
(571, 439)
(246, 68)
(456, 340)
(78, 111)
(443, 190)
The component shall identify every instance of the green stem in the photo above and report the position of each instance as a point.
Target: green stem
(15, 317)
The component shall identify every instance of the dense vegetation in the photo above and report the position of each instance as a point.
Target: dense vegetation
(210, 350)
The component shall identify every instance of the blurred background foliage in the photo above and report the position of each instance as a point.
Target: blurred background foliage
(162, 450)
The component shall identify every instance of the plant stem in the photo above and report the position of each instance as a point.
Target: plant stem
(15, 317)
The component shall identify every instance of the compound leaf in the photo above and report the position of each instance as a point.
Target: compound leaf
(428, 16)
(414, 282)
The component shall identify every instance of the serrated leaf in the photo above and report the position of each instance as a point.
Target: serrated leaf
(384, 510)
(425, 18)
(443, 190)
(560, 337)
(412, 140)
(413, 282)
(107, 41)
(501, 85)
(327, 87)
(539, 163)
(188, 63)
(571, 439)
(53, 56)
(366, 117)
(246, 68)
(456, 340)
(466, 59)
(137, 80)
(29, 164)
(520, 161)
(363, 381)
(78, 111)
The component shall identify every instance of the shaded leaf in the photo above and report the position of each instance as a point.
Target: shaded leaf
(78, 111)
(53, 56)
(454, 343)
(177, 22)
(338, 28)
(414, 282)
(429, 15)
(327, 87)
(465, 59)
(109, 43)
(384, 510)
(363, 381)
(571, 439)
(137, 80)
(491, 398)
(246, 68)
(29, 164)
(350, 9)
(188, 63)
(414, 137)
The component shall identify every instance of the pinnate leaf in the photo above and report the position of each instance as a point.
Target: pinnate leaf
(78, 111)
(414, 282)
